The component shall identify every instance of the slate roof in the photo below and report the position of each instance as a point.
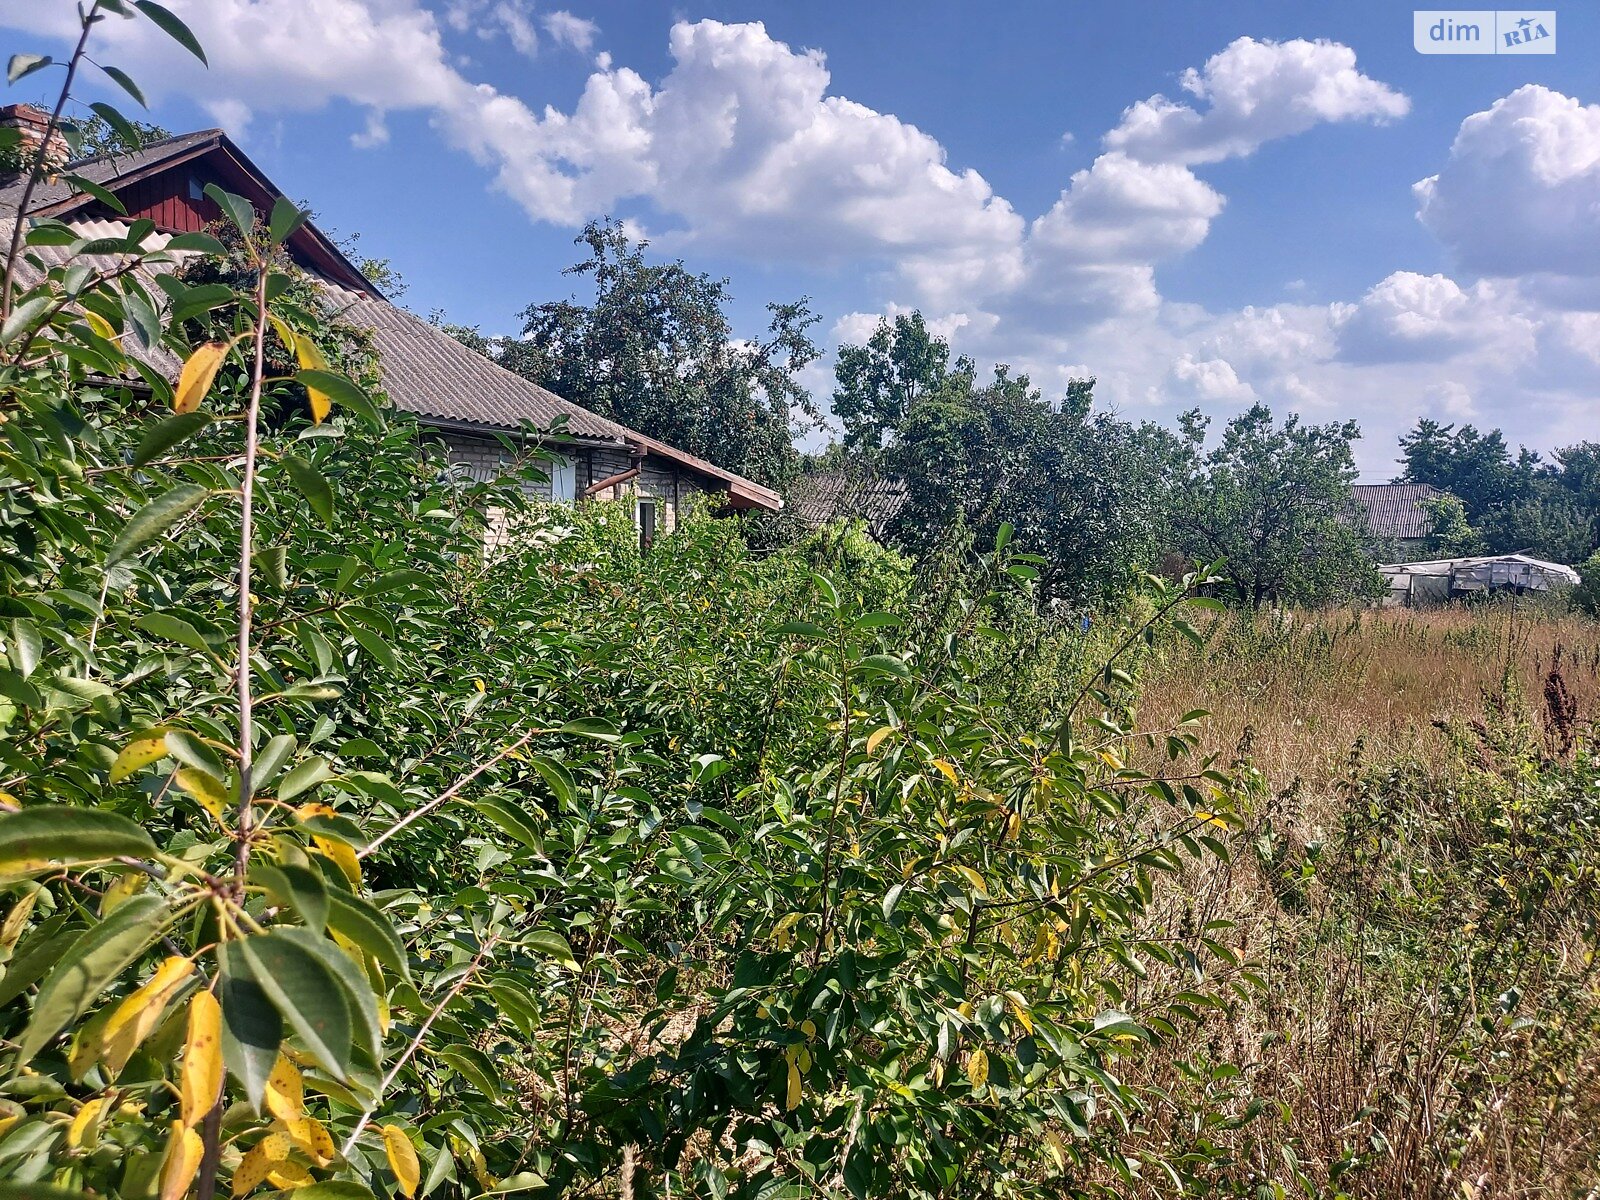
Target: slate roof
(824, 496)
(105, 169)
(1394, 510)
(425, 370)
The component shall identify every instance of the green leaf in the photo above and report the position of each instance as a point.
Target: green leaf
(90, 188)
(120, 77)
(551, 943)
(23, 317)
(173, 629)
(252, 1030)
(26, 648)
(333, 1190)
(509, 818)
(375, 646)
(475, 1065)
(171, 26)
(337, 388)
(201, 243)
(304, 777)
(154, 519)
(357, 988)
(312, 486)
(885, 664)
(236, 208)
(593, 728)
(89, 967)
(169, 433)
(120, 125)
(65, 834)
(306, 994)
(368, 928)
(296, 887)
(21, 66)
(38, 1191)
(557, 776)
(800, 629)
(286, 218)
(43, 949)
(274, 754)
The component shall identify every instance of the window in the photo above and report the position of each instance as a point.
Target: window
(647, 524)
(563, 481)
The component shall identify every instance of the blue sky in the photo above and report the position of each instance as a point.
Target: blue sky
(1200, 204)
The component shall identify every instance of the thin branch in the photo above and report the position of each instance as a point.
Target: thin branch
(449, 793)
(416, 1042)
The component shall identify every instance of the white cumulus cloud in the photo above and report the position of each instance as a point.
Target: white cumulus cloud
(1254, 91)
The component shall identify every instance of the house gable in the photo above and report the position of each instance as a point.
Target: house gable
(448, 386)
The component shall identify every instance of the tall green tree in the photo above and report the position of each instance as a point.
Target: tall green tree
(1521, 502)
(654, 349)
(879, 382)
(1274, 502)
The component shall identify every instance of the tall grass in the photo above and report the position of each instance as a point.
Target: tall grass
(1419, 890)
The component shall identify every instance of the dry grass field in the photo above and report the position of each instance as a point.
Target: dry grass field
(1416, 888)
(1306, 691)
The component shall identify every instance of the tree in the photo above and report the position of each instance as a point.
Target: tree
(655, 350)
(1449, 534)
(1520, 502)
(1476, 467)
(878, 383)
(1274, 502)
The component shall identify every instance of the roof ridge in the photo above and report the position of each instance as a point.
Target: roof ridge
(111, 155)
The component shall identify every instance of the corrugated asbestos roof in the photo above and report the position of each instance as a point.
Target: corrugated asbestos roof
(428, 373)
(1394, 510)
(104, 169)
(825, 496)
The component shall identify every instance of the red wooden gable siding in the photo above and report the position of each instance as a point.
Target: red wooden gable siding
(165, 199)
(165, 196)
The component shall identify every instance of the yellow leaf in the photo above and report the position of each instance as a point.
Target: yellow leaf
(1111, 759)
(809, 1028)
(140, 752)
(946, 769)
(202, 1058)
(285, 1091)
(16, 919)
(309, 1135)
(971, 877)
(1020, 1009)
(82, 1129)
(977, 1068)
(792, 1099)
(402, 1158)
(206, 789)
(137, 1016)
(100, 325)
(342, 855)
(127, 886)
(184, 1152)
(310, 357)
(264, 1157)
(875, 738)
(197, 376)
(1211, 819)
(285, 334)
(289, 1175)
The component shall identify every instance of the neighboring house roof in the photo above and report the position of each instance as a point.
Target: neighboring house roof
(1394, 510)
(824, 496)
(425, 371)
